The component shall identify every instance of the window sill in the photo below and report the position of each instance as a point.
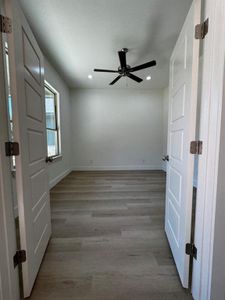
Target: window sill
(56, 158)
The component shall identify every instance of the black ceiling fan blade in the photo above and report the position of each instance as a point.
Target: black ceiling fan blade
(107, 71)
(115, 80)
(137, 79)
(144, 66)
(123, 59)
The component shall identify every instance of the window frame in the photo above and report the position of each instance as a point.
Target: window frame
(49, 87)
(9, 105)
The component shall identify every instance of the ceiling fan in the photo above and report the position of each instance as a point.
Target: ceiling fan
(126, 70)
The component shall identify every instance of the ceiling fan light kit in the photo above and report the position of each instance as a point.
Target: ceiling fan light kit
(125, 70)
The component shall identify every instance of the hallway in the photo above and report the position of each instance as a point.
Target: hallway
(108, 240)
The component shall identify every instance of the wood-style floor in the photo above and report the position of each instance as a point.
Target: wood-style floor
(108, 240)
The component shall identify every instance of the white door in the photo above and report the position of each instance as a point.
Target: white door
(27, 78)
(181, 131)
(9, 279)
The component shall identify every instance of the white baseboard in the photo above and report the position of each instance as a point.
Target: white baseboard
(57, 179)
(117, 168)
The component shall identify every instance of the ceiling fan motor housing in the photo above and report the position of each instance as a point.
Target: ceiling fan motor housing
(123, 71)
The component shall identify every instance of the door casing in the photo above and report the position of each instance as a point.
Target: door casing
(212, 98)
(9, 279)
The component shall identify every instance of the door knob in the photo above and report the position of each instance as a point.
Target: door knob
(166, 158)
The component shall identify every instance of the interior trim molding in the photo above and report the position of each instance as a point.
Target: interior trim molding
(58, 178)
(117, 168)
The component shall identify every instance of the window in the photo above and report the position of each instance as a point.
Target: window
(52, 120)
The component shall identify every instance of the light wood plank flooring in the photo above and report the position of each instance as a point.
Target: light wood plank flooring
(108, 240)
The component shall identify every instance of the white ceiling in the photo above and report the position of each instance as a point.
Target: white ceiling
(80, 35)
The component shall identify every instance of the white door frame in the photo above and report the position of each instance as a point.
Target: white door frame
(9, 279)
(210, 127)
(218, 262)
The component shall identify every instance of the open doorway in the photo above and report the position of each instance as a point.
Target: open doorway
(79, 220)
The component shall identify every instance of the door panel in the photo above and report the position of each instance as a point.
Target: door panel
(33, 103)
(181, 131)
(30, 130)
(178, 104)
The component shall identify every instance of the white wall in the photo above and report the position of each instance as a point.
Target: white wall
(165, 123)
(117, 129)
(59, 168)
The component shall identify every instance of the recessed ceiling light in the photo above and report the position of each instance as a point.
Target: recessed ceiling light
(90, 76)
(148, 77)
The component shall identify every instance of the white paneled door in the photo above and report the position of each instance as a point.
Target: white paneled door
(27, 75)
(181, 131)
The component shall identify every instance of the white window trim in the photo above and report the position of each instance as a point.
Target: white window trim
(52, 89)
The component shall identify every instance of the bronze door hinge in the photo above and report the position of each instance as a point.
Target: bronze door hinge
(196, 147)
(201, 30)
(5, 24)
